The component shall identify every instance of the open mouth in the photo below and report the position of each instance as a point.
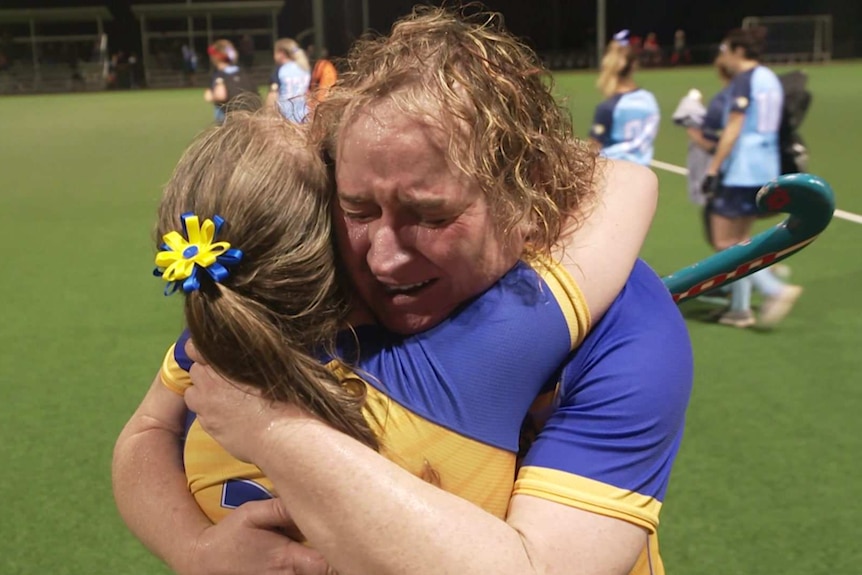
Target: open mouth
(406, 289)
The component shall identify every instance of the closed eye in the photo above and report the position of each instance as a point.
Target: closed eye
(361, 217)
(435, 222)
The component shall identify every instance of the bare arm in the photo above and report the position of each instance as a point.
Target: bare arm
(609, 447)
(219, 92)
(540, 537)
(602, 251)
(725, 145)
(149, 482)
(368, 516)
(271, 98)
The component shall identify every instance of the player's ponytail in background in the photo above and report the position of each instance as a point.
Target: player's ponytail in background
(618, 63)
(751, 40)
(290, 48)
(266, 323)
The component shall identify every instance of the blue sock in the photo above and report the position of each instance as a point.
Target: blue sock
(766, 283)
(740, 295)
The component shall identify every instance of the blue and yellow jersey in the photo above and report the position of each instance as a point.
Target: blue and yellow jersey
(446, 404)
(626, 126)
(615, 423)
(755, 158)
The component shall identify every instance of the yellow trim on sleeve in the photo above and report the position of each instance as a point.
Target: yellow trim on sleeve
(172, 375)
(589, 495)
(568, 296)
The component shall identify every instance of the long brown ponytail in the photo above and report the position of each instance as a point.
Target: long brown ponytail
(267, 323)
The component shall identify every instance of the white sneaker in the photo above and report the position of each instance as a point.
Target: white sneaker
(741, 319)
(774, 309)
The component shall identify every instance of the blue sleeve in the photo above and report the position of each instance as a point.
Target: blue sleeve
(610, 443)
(481, 368)
(180, 355)
(603, 121)
(713, 122)
(274, 80)
(740, 92)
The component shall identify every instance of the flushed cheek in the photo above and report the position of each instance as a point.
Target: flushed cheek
(352, 241)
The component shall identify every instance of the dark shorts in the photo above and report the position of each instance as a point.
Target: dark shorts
(734, 202)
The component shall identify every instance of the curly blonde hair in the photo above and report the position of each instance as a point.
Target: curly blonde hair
(467, 76)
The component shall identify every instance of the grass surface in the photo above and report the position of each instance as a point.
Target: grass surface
(765, 480)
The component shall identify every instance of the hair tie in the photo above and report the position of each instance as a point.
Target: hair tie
(181, 258)
(622, 38)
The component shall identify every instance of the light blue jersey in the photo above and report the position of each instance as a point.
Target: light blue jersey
(626, 126)
(291, 83)
(755, 158)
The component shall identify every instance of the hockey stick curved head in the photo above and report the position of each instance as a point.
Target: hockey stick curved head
(810, 203)
(808, 199)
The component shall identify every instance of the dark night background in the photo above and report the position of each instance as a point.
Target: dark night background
(547, 24)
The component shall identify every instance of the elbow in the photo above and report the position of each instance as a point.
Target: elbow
(645, 189)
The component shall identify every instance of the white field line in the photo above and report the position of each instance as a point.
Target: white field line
(674, 169)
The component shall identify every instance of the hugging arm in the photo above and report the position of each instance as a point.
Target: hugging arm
(149, 482)
(153, 498)
(602, 251)
(582, 504)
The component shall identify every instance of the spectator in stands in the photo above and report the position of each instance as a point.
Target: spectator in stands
(134, 71)
(651, 55)
(290, 80)
(636, 44)
(681, 54)
(246, 51)
(190, 63)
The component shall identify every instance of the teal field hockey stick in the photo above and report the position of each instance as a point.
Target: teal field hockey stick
(807, 199)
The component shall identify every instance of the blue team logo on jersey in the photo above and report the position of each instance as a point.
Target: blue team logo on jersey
(235, 492)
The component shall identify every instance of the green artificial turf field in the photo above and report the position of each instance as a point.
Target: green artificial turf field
(767, 479)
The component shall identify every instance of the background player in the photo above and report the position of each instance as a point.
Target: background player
(323, 75)
(747, 157)
(223, 59)
(290, 80)
(626, 122)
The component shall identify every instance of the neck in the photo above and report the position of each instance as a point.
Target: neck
(626, 85)
(747, 65)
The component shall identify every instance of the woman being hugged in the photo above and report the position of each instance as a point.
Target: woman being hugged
(626, 123)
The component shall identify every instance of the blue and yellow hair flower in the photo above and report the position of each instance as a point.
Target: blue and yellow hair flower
(181, 259)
